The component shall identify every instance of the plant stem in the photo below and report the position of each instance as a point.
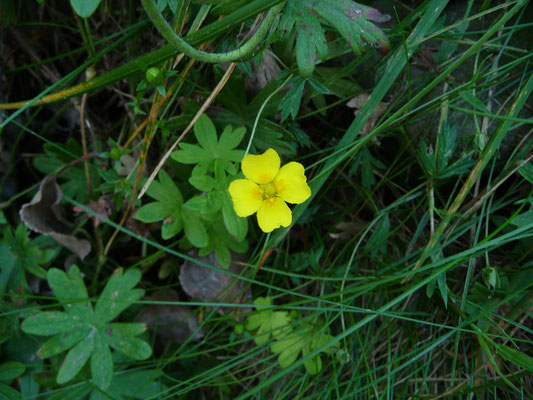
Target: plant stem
(181, 45)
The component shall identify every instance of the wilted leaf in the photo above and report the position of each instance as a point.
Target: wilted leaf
(43, 215)
(172, 322)
(214, 285)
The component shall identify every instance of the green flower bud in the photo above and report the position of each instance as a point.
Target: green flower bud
(154, 76)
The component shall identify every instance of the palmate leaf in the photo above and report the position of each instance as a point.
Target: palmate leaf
(353, 21)
(168, 206)
(211, 150)
(88, 334)
(267, 321)
(305, 339)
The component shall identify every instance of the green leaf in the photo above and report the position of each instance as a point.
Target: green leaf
(85, 333)
(231, 138)
(527, 172)
(17, 255)
(352, 20)
(76, 358)
(10, 370)
(118, 294)
(50, 323)
(63, 342)
(70, 291)
(211, 150)
(194, 228)
(288, 348)
(267, 321)
(85, 8)
(101, 363)
(137, 384)
(515, 356)
(236, 226)
(290, 105)
(168, 206)
(127, 344)
(8, 393)
(206, 133)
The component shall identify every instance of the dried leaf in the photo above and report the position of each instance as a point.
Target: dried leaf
(103, 206)
(172, 322)
(358, 102)
(43, 215)
(214, 285)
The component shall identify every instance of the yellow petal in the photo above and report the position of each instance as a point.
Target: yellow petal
(273, 213)
(262, 168)
(291, 183)
(246, 195)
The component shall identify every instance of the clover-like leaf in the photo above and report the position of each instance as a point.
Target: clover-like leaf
(86, 333)
(267, 321)
(353, 21)
(167, 208)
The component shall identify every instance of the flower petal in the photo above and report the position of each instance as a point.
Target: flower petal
(273, 213)
(262, 168)
(291, 183)
(246, 195)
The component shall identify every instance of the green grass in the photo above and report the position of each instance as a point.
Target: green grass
(408, 272)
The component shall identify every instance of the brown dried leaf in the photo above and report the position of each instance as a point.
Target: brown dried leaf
(172, 322)
(211, 285)
(43, 215)
(358, 102)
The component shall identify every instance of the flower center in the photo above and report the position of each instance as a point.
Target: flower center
(269, 190)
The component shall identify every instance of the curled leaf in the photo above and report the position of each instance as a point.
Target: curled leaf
(43, 215)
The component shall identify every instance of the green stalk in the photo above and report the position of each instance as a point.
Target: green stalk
(182, 46)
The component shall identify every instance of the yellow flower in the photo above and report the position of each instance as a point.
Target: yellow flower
(267, 189)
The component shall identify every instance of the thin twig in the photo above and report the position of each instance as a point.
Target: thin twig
(204, 107)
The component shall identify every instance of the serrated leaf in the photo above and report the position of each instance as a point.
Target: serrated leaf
(118, 294)
(290, 105)
(352, 20)
(76, 358)
(311, 46)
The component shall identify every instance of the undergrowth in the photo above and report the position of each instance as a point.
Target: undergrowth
(403, 267)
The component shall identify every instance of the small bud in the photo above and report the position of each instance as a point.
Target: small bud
(154, 76)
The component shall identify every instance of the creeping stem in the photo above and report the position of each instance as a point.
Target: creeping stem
(245, 50)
